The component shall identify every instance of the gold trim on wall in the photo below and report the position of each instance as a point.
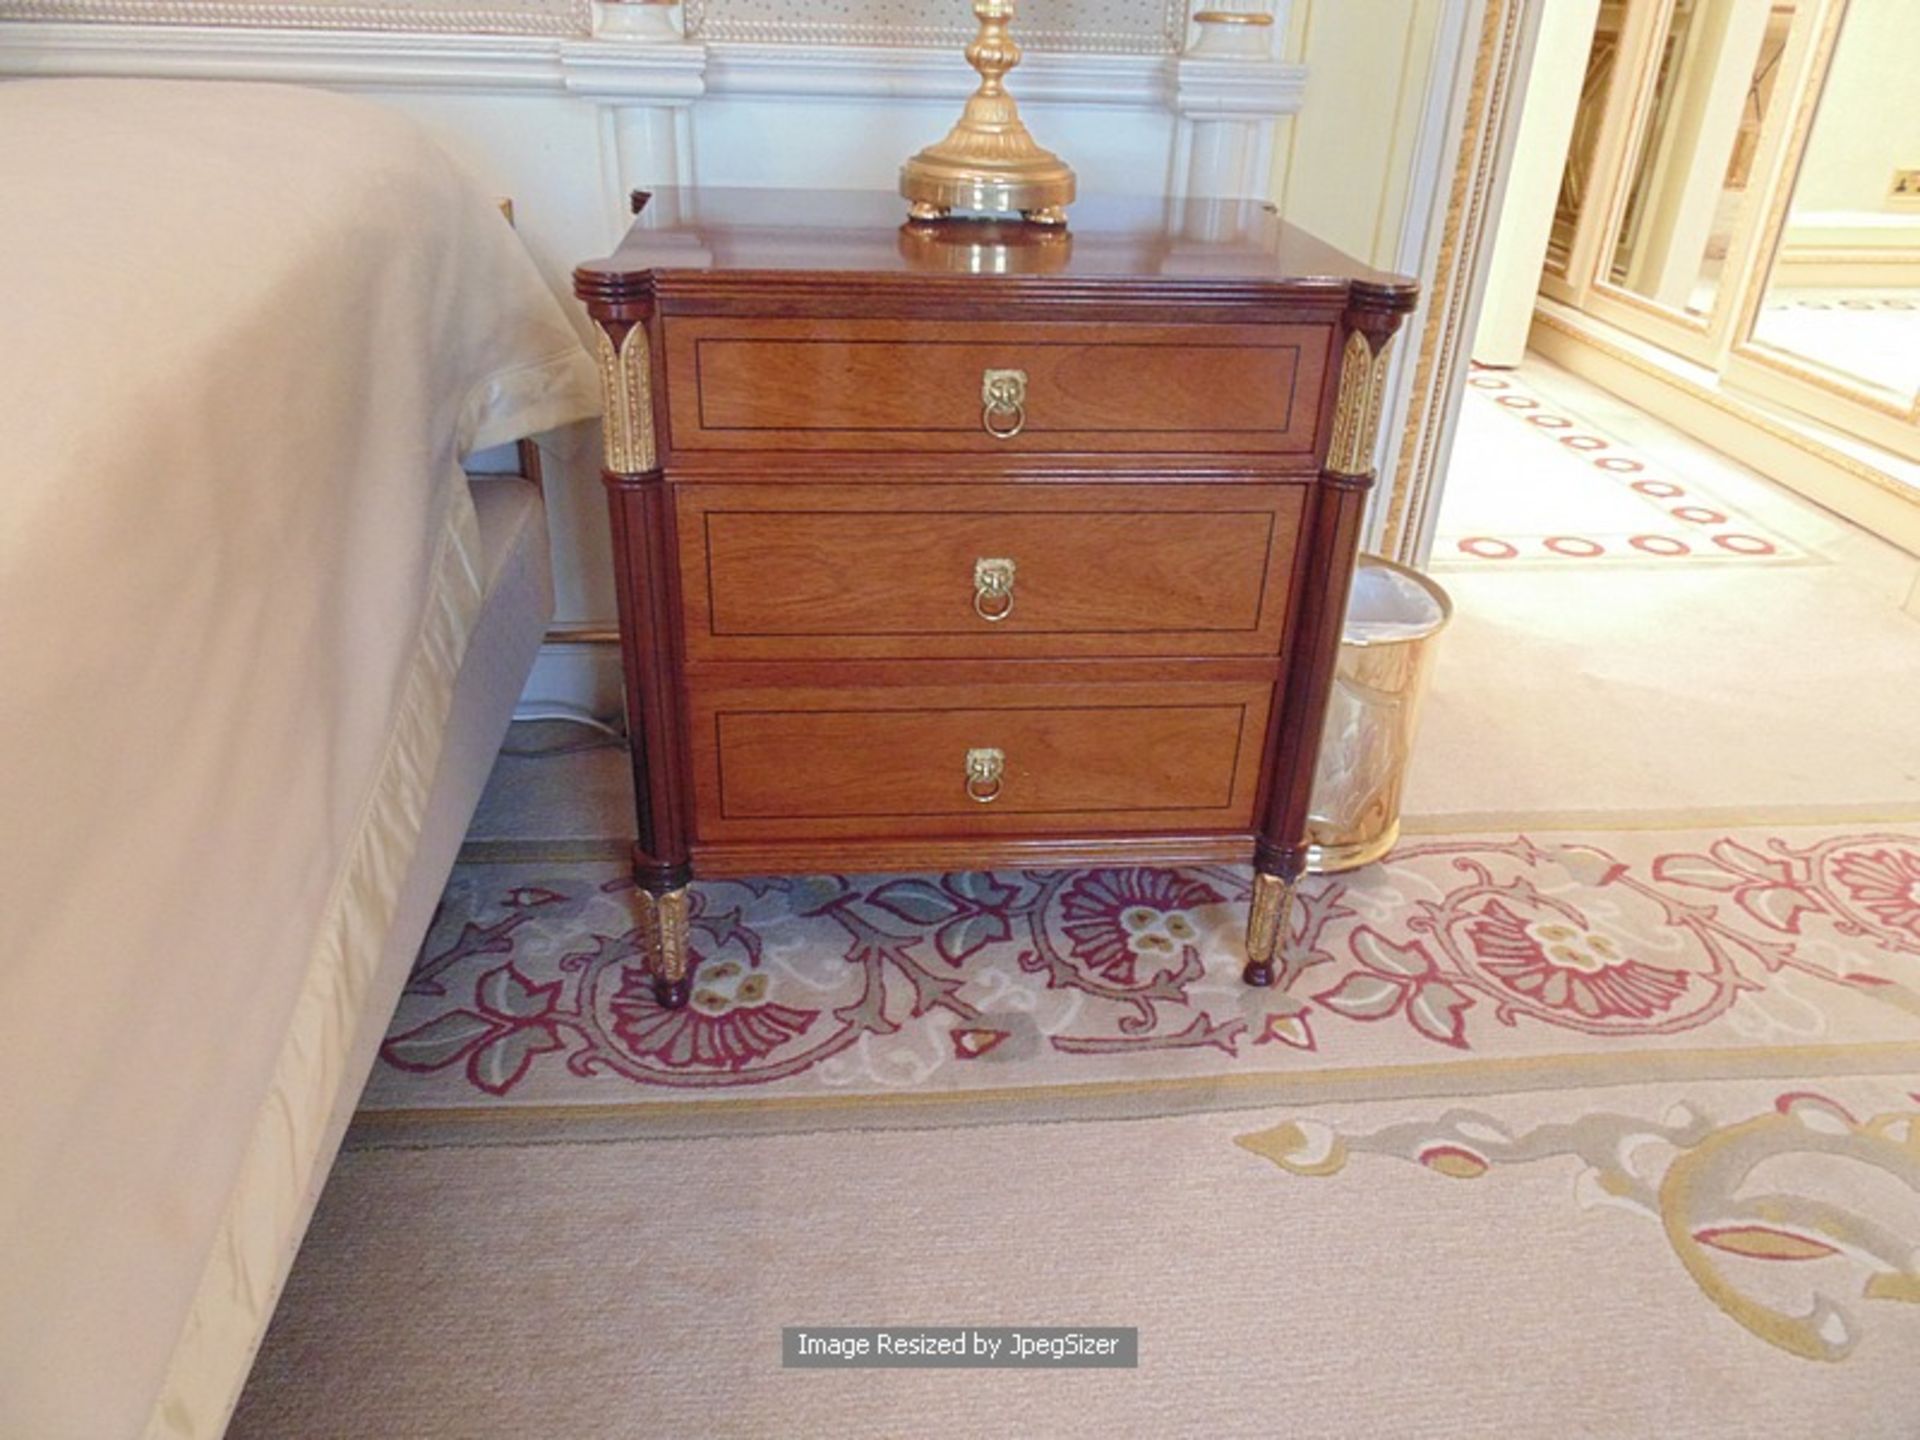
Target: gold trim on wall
(1466, 231)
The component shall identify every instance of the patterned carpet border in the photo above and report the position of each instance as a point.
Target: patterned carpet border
(1464, 965)
(1680, 520)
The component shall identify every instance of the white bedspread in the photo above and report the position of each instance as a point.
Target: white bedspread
(245, 334)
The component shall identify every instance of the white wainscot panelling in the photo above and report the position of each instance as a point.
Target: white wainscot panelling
(859, 145)
(565, 127)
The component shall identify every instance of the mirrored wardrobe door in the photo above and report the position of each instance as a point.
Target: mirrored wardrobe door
(1835, 330)
(1592, 156)
(1716, 84)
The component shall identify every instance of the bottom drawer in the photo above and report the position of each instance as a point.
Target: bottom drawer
(956, 760)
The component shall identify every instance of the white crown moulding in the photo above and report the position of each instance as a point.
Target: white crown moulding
(641, 71)
(344, 58)
(644, 72)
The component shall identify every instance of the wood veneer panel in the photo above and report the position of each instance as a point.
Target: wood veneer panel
(876, 570)
(865, 385)
(888, 760)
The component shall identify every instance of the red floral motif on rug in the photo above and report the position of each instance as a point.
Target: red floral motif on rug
(1884, 884)
(1560, 965)
(1125, 925)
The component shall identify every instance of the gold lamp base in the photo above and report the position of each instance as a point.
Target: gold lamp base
(989, 163)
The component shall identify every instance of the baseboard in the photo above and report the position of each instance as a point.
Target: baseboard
(581, 676)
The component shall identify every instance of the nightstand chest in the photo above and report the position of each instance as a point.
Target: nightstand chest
(957, 545)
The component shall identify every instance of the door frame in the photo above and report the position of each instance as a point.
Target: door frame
(1475, 85)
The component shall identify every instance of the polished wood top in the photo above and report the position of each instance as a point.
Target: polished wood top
(1222, 248)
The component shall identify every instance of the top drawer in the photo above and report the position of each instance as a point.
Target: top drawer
(913, 385)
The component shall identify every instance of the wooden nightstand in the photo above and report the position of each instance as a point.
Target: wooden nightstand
(959, 545)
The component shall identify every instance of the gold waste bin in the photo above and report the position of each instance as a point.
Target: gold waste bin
(1386, 650)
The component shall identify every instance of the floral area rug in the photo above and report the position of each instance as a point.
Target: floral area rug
(1538, 483)
(1459, 966)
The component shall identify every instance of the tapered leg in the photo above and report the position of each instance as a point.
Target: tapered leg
(639, 512)
(663, 926)
(1267, 925)
(1330, 537)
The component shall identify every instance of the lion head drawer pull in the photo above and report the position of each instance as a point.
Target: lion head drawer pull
(1003, 401)
(984, 770)
(992, 588)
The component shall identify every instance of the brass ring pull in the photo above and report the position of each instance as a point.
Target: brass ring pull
(1003, 393)
(993, 589)
(1017, 410)
(985, 768)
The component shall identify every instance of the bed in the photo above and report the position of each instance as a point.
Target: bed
(260, 639)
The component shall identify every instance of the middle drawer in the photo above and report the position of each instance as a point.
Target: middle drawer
(878, 570)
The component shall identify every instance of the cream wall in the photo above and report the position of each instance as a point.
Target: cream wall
(1343, 166)
(1868, 124)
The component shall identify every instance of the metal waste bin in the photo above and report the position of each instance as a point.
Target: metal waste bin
(1386, 650)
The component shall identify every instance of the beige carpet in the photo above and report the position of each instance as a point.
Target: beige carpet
(1640, 689)
(1598, 1279)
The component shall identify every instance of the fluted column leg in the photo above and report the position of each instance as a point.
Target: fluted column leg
(1332, 542)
